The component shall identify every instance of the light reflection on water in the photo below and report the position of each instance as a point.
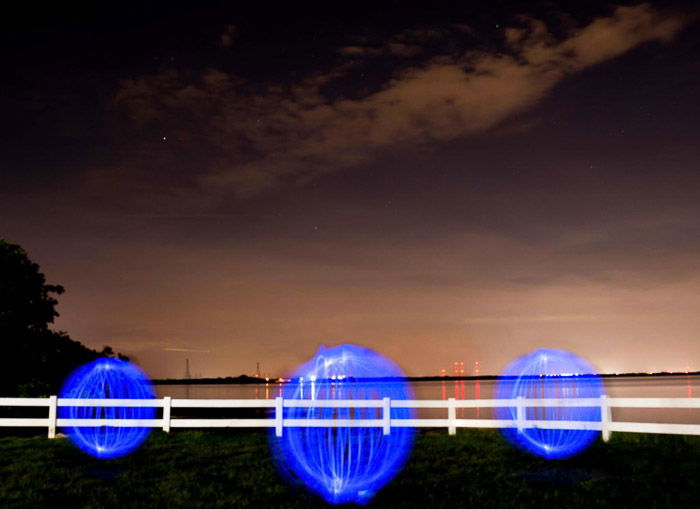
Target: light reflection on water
(677, 386)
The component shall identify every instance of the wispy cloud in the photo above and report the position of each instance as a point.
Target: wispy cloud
(295, 134)
(514, 319)
(188, 350)
(226, 38)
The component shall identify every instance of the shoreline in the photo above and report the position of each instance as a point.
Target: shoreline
(247, 380)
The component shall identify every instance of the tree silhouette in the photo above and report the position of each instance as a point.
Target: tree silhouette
(36, 358)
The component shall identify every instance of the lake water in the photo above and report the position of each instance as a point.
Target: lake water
(677, 386)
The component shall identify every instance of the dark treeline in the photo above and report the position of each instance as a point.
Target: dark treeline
(36, 358)
(242, 379)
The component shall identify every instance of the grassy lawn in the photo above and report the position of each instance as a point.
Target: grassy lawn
(476, 468)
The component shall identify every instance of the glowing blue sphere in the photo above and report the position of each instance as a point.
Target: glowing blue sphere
(549, 373)
(102, 379)
(344, 464)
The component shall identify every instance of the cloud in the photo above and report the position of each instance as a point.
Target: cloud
(226, 38)
(405, 44)
(515, 319)
(186, 350)
(359, 51)
(426, 34)
(295, 134)
(397, 49)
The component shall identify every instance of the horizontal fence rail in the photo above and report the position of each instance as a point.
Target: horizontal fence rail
(606, 425)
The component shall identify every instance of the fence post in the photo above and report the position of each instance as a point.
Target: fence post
(451, 416)
(279, 409)
(386, 416)
(605, 417)
(520, 414)
(167, 404)
(53, 404)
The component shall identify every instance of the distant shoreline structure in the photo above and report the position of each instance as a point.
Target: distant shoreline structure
(248, 380)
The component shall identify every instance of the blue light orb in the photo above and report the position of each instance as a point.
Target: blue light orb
(549, 373)
(344, 464)
(107, 378)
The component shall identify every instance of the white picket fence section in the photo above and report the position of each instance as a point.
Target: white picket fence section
(384, 406)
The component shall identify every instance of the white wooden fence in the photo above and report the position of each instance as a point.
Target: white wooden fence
(384, 406)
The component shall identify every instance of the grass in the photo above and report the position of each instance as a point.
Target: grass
(475, 468)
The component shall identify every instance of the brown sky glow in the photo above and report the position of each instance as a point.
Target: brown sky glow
(468, 187)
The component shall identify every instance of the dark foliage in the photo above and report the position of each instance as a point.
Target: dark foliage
(36, 358)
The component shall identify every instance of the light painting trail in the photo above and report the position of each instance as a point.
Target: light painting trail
(344, 464)
(109, 379)
(550, 373)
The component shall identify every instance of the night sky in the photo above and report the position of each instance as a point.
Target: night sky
(461, 181)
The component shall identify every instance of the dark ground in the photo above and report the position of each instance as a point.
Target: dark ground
(475, 468)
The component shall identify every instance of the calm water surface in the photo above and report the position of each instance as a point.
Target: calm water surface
(680, 386)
